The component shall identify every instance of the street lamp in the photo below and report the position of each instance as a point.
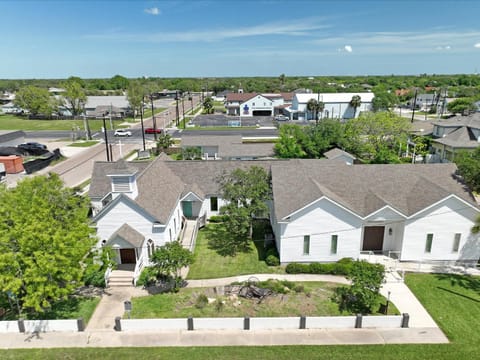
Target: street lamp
(143, 129)
(153, 119)
(106, 138)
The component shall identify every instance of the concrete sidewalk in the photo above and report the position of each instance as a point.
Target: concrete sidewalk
(223, 338)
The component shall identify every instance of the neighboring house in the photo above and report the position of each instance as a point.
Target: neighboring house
(423, 102)
(321, 210)
(253, 104)
(455, 134)
(337, 105)
(10, 108)
(227, 147)
(340, 155)
(99, 106)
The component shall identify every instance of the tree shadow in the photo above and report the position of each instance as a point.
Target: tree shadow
(225, 243)
(465, 281)
(458, 294)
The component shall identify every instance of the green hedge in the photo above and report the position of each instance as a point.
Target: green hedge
(342, 267)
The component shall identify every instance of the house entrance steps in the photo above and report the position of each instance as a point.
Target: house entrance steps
(122, 276)
(188, 241)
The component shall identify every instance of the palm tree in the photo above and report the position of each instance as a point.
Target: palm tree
(355, 103)
(321, 107)
(312, 106)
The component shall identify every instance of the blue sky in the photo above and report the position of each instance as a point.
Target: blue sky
(57, 39)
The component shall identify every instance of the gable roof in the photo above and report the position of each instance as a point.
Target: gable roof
(363, 189)
(336, 152)
(462, 137)
(129, 234)
(240, 97)
(472, 121)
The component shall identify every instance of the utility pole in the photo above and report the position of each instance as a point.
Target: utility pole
(106, 138)
(183, 110)
(177, 110)
(143, 129)
(414, 104)
(153, 118)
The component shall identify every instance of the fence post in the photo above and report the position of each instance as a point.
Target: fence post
(246, 323)
(405, 319)
(21, 325)
(80, 324)
(358, 321)
(190, 323)
(118, 323)
(303, 322)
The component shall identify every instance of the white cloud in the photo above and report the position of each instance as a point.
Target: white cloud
(447, 47)
(300, 27)
(348, 48)
(477, 45)
(152, 11)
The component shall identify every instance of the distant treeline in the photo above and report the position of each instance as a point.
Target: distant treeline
(461, 85)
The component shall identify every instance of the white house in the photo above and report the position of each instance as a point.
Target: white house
(321, 210)
(337, 105)
(253, 104)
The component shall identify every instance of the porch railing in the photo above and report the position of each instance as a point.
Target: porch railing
(138, 270)
(106, 276)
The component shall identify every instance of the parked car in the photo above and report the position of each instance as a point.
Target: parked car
(153, 131)
(281, 118)
(29, 146)
(122, 132)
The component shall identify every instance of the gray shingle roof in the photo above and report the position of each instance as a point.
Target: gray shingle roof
(336, 152)
(363, 189)
(470, 121)
(462, 137)
(129, 234)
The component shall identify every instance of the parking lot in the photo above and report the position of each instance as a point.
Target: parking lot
(224, 120)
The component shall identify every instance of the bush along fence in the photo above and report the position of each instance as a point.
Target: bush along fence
(237, 323)
(41, 326)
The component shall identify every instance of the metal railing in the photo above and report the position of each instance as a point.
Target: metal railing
(106, 276)
(138, 270)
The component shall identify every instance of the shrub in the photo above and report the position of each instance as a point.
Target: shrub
(148, 277)
(272, 260)
(219, 305)
(202, 301)
(217, 218)
(95, 276)
(299, 288)
(296, 268)
(277, 286)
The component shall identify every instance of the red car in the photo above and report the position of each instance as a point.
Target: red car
(153, 131)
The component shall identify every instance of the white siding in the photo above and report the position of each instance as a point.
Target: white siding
(443, 221)
(321, 220)
(123, 213)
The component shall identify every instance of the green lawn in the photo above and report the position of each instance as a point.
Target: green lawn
(84, 143)
(72, 308)
(10, 122)
(453, 301)
(212, 258)
(221, 128)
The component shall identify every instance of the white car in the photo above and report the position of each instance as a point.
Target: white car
(122, 132)
(281, 118)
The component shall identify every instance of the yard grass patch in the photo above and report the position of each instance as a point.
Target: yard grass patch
(211, 262)
(84, 143)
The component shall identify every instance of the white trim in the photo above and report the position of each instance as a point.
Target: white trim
(383, 208)
(105, 210)
(191, 192)
(317, 200)
(442, 200)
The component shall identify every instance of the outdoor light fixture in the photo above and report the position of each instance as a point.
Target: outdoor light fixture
(390, 231)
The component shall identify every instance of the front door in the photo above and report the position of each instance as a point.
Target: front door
(127, 256)
(373, 238)
(187, 209)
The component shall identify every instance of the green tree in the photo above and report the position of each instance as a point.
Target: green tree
(468, 163)
(384, 101)
(44, 237)
(462, 106)
(35, 100)
(118, 82)
(289, 144)
(191, 153)
(135, 95)
(314, 107)
(363, 295)
(246, 193)
(170, 258)
(355, 103)
(322, 137)
(75, 96)
(164, 141)
(476, 228)
(208, 105)
(376, 136)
